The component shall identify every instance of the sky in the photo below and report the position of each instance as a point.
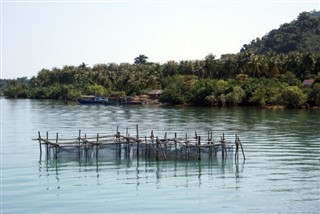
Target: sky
(41, 34)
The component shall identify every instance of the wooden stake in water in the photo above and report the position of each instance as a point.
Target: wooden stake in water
(47, 147)
(222, 146)
(157, 148)
(39, 135)
(199, 150)
(236, 154)
(244, 157)
(56, 147)
(97, 147)
(175, 142)
(57, 136)
(138, 147)
(79, 142)
(146, 146)
(137, 128)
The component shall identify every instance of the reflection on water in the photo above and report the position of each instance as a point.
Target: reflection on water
(142, 171)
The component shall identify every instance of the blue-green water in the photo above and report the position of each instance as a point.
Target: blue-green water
(280, 175)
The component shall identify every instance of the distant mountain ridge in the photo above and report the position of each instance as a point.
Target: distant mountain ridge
(300, 35)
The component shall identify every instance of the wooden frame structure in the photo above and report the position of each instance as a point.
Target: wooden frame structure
(151, 147)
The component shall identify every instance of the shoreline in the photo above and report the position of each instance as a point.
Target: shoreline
(156, 102)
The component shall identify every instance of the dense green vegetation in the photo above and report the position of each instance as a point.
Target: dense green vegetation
(17, 88)
(251, 78)
(301, 35)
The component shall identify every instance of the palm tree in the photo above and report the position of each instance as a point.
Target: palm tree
(229, 65)
(170, 68)
(308, 64)
(253, 65)
(210, 65)
(141, 59)
(292, 62)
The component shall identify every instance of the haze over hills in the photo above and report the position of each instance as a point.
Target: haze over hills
(300, 35)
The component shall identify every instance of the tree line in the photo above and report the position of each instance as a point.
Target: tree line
(233, 79)
(268, 71)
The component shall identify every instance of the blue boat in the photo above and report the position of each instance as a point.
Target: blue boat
(92, 100)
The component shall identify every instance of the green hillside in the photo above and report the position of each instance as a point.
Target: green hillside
(300, 35)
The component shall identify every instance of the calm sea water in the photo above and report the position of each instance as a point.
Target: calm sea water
(280, 175)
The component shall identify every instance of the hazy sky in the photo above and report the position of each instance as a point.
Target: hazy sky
(47, 34)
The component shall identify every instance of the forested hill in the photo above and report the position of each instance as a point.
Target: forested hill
(300, 35)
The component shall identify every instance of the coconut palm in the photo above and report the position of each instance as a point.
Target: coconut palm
(141, 59)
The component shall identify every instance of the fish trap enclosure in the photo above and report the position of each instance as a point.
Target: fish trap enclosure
(112, 146)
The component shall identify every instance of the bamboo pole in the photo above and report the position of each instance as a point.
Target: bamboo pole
(165, 143)
(210, 148)
(137, 147)
(47, 146)
(236, 155)
(161, 147)
(137, 129)
(157, 149)
(79, 154)
(127, 146)
(199, 151)
(146, 146)
(118, 144)
(163, 152)
(39, 135)
(175, 144)
(137, 140)
(187, 147)
(152, 144)
(225, 145)
(86, 146)
(222, 146)
(79, 135)
(57, 136)
(97, 146)
(56, 147)
(244, 157)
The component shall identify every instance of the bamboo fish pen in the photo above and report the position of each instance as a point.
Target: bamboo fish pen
(117, 145)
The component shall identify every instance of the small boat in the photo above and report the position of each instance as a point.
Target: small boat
(108, 100)
(92, 100)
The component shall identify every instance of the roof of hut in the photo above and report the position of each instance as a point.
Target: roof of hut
(308, 82)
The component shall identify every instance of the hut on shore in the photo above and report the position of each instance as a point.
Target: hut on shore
(154, 94)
